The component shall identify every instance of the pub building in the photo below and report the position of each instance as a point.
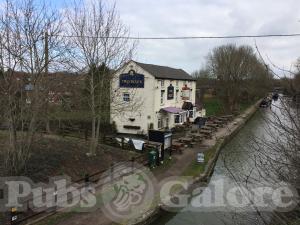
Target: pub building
(152, 97)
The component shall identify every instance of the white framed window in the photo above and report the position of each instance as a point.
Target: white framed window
(126, 97)
(177, 83)
(162, 83)
(162, 97)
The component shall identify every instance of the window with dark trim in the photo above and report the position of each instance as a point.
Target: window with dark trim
(176, 118)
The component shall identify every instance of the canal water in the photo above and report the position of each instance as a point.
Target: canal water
(235, 167)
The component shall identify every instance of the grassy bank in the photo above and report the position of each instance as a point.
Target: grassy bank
(52, 220)
(213, 106)
(195, 168)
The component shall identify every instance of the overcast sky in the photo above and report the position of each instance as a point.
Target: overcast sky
(209, 18)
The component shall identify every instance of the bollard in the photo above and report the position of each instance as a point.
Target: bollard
(86, 179)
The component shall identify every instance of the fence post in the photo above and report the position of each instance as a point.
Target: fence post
(86, 179)
(122, 143)
(132, 164)
(86, 134)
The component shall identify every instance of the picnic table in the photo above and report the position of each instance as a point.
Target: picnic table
(206, 133)
(224, 120)
(206, 128)
(219, 123)
(186, 140)
(211, 118)
(177, 146)
(228, 117)
(212, 125)
(198, 137)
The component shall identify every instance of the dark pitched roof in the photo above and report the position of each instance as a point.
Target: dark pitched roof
(164, 72)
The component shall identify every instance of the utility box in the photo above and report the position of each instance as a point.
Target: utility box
(152, 157)
(200, 121)
(163, 137)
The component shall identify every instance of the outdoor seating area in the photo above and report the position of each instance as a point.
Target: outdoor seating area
(197, 134)
(189, 136)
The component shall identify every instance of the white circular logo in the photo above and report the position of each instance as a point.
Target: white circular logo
(127, 192)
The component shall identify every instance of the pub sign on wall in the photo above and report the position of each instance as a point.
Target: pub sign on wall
(132, 80)
(185, 93)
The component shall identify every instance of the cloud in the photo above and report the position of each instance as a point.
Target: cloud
(210, 17)
(205, 18)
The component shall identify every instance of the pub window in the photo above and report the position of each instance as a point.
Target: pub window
(162, 83)
(177, 118)
(162, 97)
(126, 97)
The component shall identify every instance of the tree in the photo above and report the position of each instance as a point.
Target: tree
(238, 71)
(297, 77)
(24, 27)
(99, 40)
(274, 155)
(204, 77)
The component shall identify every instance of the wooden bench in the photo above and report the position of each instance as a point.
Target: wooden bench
(206, 133)
(223, 120)
(212, 126)
(186, 140)
(177, 147)
(219, 123)
(228, 117)
(198, 137)
(207, 128)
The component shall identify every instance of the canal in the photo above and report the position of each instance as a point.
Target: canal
(234, 166)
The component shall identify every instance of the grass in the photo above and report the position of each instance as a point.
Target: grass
(73, 115)
(54, 219)
(163, 167)
(213, 106)
(4, 134)
(195, 168)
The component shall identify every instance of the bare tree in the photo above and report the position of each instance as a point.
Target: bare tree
(25, 26)
(101, 46)
(273, 153)
(238, 72)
